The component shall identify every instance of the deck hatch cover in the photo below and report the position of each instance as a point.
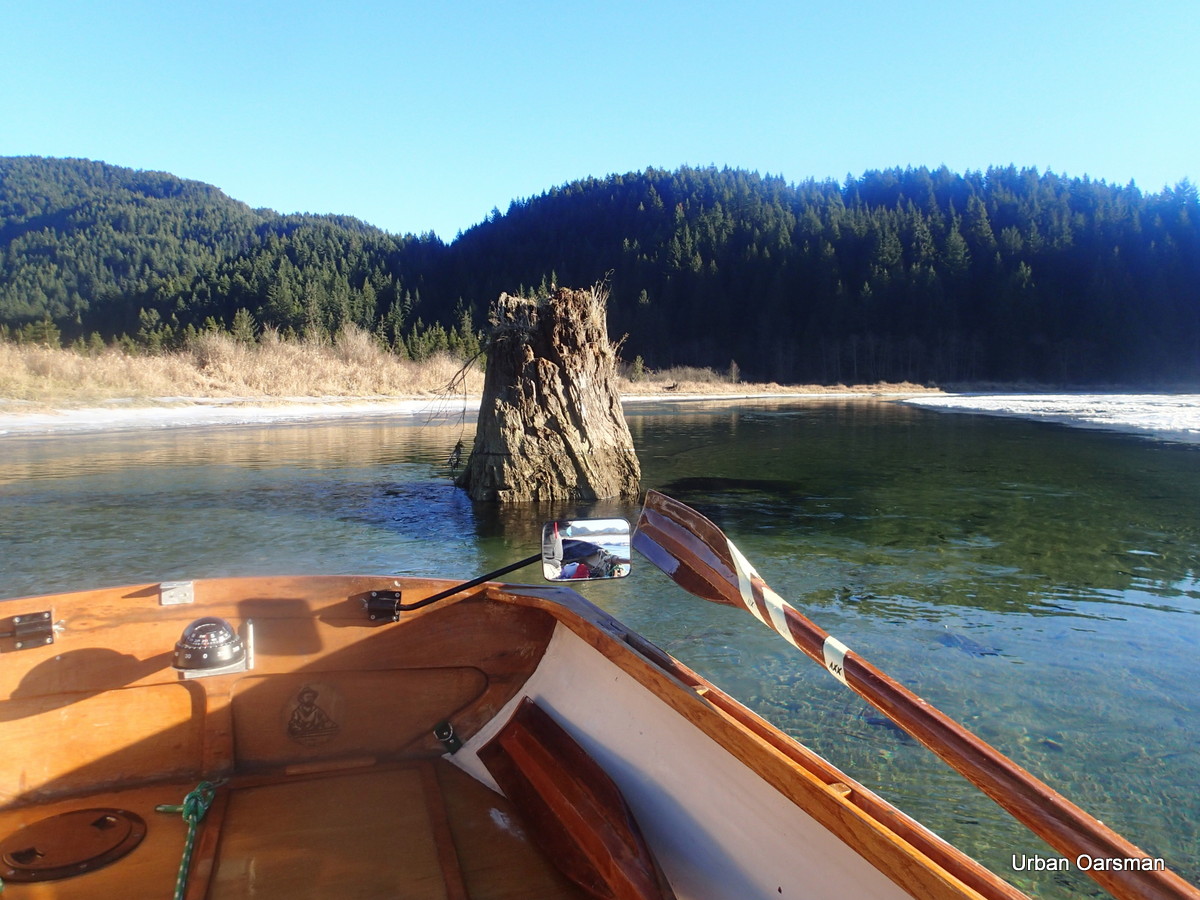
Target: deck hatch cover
(69, 843)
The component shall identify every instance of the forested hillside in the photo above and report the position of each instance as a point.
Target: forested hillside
(90, 248)
(899, 275)
(902, 274)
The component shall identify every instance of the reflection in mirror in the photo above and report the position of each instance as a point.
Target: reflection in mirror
(585, 549)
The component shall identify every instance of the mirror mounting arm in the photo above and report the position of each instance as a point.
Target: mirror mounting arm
(490, 576)
(572, 550)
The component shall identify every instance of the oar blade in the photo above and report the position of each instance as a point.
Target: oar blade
(688, 547)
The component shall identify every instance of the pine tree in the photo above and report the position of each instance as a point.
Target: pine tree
(243, 328)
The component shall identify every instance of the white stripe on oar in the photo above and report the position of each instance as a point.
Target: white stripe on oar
(771, 600)
(835, 652)
(744, 570)
(775, 605)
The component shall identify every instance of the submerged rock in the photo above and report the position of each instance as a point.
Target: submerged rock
(964, 644)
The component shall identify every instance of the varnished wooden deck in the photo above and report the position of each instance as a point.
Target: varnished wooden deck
(421, 830)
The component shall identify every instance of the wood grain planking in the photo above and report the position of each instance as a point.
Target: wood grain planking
(360, 835)
(573, 810)
(439, 820)
(497, 857)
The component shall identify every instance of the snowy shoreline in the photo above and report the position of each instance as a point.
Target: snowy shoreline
(190, 412)
(1166, 417)
(194, 412)
(1169, 417)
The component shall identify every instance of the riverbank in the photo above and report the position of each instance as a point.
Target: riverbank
(220, 381)
(1169, 417)
(223, 382)
(351, 367)
(122, 414)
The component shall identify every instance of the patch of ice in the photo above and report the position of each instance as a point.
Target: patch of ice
(1170, 417)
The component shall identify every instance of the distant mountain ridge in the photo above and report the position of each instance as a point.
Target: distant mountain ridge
(92, 245)
(900, 274)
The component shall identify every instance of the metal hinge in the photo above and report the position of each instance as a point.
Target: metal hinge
(35, 629)
(382, 606)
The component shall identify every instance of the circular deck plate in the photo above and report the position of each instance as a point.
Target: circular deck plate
(70, 843)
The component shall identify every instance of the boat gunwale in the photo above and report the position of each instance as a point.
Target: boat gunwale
(777, 758)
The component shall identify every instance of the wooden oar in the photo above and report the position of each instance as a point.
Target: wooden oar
(702, 560)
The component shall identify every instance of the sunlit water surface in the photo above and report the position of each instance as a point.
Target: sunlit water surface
(1038, 583)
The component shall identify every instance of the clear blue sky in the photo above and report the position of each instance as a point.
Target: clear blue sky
(425, 116)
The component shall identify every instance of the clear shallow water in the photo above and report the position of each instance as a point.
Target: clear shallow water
(1040, 584)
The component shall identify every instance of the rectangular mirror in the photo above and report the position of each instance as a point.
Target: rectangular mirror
(585, 549)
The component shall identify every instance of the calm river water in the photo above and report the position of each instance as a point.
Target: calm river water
(1038, 583)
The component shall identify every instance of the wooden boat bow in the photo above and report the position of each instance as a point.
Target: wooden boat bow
(351, 737)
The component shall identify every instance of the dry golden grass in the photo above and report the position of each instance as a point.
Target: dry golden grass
(689, 380)
(352, 366)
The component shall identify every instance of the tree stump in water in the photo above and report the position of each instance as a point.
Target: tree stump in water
(550, 423)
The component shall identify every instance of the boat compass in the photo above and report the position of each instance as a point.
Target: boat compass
(210, 646)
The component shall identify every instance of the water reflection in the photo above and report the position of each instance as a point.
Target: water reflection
(307, 446)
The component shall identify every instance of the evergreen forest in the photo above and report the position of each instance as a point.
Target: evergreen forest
(899, 275)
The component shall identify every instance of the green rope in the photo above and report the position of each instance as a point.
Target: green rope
(193, 808)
